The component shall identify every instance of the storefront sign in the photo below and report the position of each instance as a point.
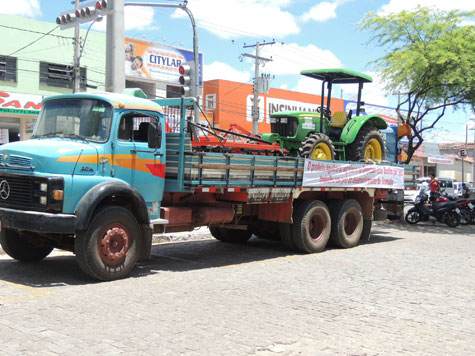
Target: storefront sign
(17, 103)
(440, 159)
(268, 105)
(156, 61)
(351, 175)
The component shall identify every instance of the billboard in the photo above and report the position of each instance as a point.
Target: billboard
(156, 61)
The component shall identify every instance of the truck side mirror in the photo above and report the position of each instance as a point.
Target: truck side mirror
(154, 135)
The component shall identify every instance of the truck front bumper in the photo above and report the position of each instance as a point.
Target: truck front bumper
(37, 221)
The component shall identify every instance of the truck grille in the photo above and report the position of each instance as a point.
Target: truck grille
(30, 192)
(21, 190)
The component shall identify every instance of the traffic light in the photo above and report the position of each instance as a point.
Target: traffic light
(88, 12)
(186, 71)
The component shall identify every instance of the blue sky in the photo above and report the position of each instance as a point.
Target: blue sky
(309, 34)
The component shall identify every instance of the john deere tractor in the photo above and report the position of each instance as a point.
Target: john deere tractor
(324, 135)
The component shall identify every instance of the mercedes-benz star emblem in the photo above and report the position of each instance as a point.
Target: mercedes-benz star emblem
(4, 189)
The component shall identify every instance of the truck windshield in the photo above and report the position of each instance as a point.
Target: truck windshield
(84, 119)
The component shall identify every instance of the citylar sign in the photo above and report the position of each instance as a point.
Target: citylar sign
(156, 61)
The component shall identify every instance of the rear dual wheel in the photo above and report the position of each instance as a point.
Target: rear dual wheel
(311, 227)
(347, 223)
(230, 235)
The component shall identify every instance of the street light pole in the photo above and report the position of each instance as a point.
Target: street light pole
(195, 89)
(76, 69)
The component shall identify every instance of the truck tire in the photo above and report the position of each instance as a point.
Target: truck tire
(230, 235)
(266, 230)
(367, 146)
(286, 236)
(318, 146)
(311, 227)
(18, 248)
(347, 223)
(110, 247)
(366, 233)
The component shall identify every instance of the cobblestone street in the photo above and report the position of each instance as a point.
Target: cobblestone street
(410, 290)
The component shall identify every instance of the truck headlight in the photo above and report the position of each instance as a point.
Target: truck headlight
(44, 187)
(43, 200)
(283, 120)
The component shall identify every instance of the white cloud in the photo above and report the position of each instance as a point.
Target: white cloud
(135, 18)
(284, 86)
(292, 58)
(219, 70)
(28, 8)
(241, 18)
(321, 12)
(395, 6)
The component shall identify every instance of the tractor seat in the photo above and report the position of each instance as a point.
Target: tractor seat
(339, 119)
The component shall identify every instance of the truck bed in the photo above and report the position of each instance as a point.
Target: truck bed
(209, 169)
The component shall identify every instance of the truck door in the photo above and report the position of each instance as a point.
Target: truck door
(136, 163)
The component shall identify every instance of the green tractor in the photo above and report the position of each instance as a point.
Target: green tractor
(325, 135)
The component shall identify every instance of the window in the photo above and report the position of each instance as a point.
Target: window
(8, 68)
(61, 76)
(134, 127)
(82, 119)
(210, 102)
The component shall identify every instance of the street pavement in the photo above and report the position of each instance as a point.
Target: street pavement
(409, 291)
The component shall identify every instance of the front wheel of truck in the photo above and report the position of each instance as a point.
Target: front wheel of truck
(20, 249)
(110, 247)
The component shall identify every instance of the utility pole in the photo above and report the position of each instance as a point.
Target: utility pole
(115, 53)
(257, 61)
(76, 69)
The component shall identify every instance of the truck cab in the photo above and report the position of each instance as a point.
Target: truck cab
(88, 152)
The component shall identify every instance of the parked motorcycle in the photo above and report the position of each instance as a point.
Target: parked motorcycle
(446, 212)
(466, 206)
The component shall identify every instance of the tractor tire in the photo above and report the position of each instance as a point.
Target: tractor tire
(230, 235)
(110, 247)
(318, 146)
(21, 250)
(368, 146)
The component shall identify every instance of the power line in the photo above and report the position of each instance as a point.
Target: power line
(33, 42)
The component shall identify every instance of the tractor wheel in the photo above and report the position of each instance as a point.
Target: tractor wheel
(318, 146)
(368, 146)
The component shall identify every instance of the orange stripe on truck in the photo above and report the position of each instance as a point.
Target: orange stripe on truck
(125, 161)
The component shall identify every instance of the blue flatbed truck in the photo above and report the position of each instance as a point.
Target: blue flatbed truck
(102, 173)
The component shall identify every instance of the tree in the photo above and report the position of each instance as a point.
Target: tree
(429, 60)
